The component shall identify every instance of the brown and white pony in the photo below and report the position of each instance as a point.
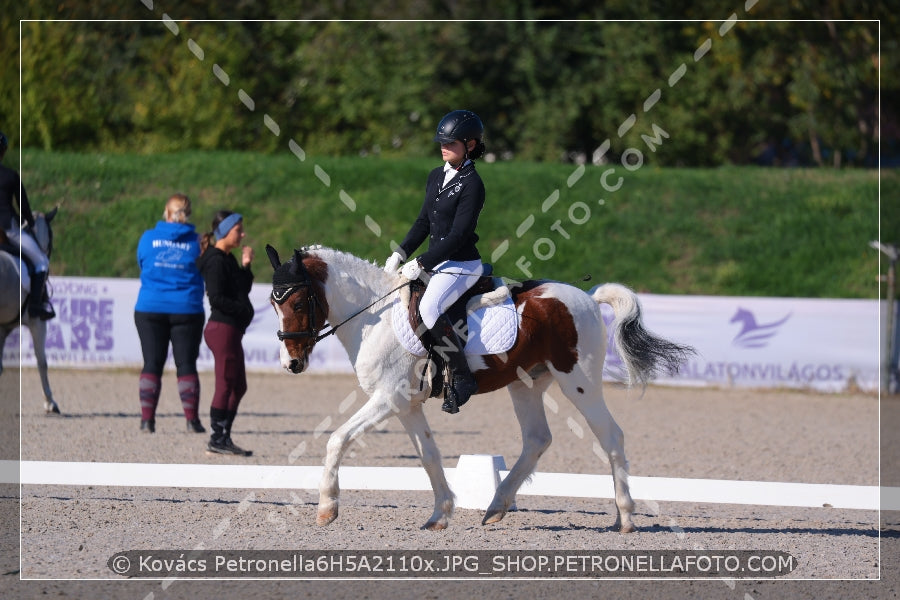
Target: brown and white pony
(561, 336)
(13, 313)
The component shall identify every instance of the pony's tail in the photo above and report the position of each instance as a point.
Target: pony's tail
(644, 354)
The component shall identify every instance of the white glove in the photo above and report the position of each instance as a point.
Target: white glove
(411, 270)
(393, 263)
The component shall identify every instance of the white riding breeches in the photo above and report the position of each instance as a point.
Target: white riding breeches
(30, 249)
(449, 280)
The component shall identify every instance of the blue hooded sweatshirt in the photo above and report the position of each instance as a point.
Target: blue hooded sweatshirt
(170, 281)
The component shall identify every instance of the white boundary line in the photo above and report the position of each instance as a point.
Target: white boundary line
(415, 479)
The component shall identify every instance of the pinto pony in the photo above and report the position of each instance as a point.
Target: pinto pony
(561, 336)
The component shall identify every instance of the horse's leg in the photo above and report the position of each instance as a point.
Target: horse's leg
(379, 406)
(38, 330)
(529, 406)
(417, 427)
(586, 393)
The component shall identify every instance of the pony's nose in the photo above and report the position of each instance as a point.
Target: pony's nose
(295, 366)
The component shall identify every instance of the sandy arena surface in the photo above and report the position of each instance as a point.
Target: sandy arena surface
(68, 533)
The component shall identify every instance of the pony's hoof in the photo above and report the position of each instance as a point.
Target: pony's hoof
(51, 408)
(435, 525)
(627, 528)
(324, 518)
(493, 516)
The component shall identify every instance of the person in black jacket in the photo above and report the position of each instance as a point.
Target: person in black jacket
(12, 190)
(228, 288)
(454, 197)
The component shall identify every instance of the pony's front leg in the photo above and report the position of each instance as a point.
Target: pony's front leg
(417, 427)
(378, 408)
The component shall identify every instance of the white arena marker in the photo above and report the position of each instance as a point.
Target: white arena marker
(9, 471)
(575, 485)
(476, 479)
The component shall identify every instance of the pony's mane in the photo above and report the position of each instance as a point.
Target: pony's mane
(324, 252)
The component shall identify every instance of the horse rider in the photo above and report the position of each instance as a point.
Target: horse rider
(11, 188)
(454, 197)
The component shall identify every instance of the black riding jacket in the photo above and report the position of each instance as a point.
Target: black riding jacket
(448, 218)
(10, 188)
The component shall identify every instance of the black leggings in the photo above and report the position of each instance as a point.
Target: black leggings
(156, 330)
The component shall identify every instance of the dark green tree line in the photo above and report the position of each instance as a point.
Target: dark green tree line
(779, 92)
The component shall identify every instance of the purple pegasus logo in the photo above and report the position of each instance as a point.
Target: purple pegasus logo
(753, 334)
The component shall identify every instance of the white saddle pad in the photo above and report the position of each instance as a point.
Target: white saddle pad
(492, 319)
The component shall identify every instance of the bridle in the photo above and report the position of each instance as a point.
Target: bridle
(281, 291)
(280, 294)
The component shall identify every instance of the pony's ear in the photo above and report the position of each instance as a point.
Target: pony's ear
(273, 256)
(49, 216)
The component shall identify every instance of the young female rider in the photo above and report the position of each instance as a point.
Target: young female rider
(454, 197)
(11, 188)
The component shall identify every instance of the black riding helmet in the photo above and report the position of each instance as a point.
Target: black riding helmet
(462, 125)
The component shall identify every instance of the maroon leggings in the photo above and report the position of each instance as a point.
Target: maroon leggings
(231, 380)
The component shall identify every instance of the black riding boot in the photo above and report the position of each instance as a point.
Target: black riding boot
(450, 347)
(38, 302)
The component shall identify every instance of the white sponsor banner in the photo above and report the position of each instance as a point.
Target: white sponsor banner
(94, 327)
(826, 345)
(818, 344)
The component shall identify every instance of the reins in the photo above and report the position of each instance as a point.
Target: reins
(289, 335)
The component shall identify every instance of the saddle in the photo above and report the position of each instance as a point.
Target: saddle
(456, 313)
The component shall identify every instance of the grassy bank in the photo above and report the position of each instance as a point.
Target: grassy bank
(727, 231)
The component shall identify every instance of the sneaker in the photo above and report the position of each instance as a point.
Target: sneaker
(226, 446)
(148, 426)
(194, 426)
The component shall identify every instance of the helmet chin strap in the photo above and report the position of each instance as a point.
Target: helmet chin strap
(465, 155)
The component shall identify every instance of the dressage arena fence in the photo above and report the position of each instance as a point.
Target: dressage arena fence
(474, 481)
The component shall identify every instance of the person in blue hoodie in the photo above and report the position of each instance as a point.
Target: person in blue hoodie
(169, 309)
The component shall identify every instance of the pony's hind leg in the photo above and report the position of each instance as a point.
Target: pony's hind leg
(529, 406)
(39, 337)
(417, 427)
(587, 396)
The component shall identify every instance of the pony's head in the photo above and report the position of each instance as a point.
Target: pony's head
(298, 296)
